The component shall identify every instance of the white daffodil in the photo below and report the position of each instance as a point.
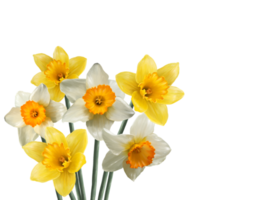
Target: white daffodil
(96, 100)
(33, 113)
(135, 151)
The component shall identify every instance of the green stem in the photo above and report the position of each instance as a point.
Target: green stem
(122, 127)
(43, 140)
(95, 168)
(102, 185)
(59, 197)
(80, 186)
(108, 185)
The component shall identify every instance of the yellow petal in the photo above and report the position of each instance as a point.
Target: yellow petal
(77, 161)
(35, 150)
(77, 141)
(73, 76)
(77, 65)
(126, 82)
(41, 78)
(146, 66)
(41, 174)
(54, 135)
(56, 94)
(65, 183)
(157, 113)
(140, 104)
(174, 94)
(60, 54)
(41, 60)
(170, 72)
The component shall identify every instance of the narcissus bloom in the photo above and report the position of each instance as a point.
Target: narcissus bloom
(33, 113)
(97, 101)
(135, 151)
(55, 70)
(58, 159)
(151, 88)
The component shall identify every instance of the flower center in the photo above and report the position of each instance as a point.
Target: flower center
(32, 113)
(56, 157)
(153, 87)
(98, 99)
(61, 159)
(141, 155)
(56, 71)
(60, 75)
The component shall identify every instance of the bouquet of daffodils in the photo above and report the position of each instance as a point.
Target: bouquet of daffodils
(97, 101)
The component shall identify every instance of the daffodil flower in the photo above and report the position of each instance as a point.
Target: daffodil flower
(97, 100)
(135, 151)
(55, 70)
(58, 159)
(151, 88)
(33, 113)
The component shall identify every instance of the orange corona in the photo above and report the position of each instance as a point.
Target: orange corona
(141, 155)
(153, 87)
(32, 113)
(56, 157)
(56, 71)
(98, 99)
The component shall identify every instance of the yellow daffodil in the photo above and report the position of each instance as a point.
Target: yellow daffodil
(33, 112)
(96, 100)
(135, 151)
(55, 70)
(151, 88)
(58, 159)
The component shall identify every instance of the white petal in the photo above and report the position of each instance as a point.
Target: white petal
(156, 161)
(132, 173)
(115, 88)
(55, 111)
(113, 162)
(41, 95)
(77, 112)
(117, 143)
(96, 125)
(162, 148)
(14, 118)
(26, 135)
(141, 128)
(119, 111)
(21, 98)
(73, 88)
(40, 129)
(96, 76)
